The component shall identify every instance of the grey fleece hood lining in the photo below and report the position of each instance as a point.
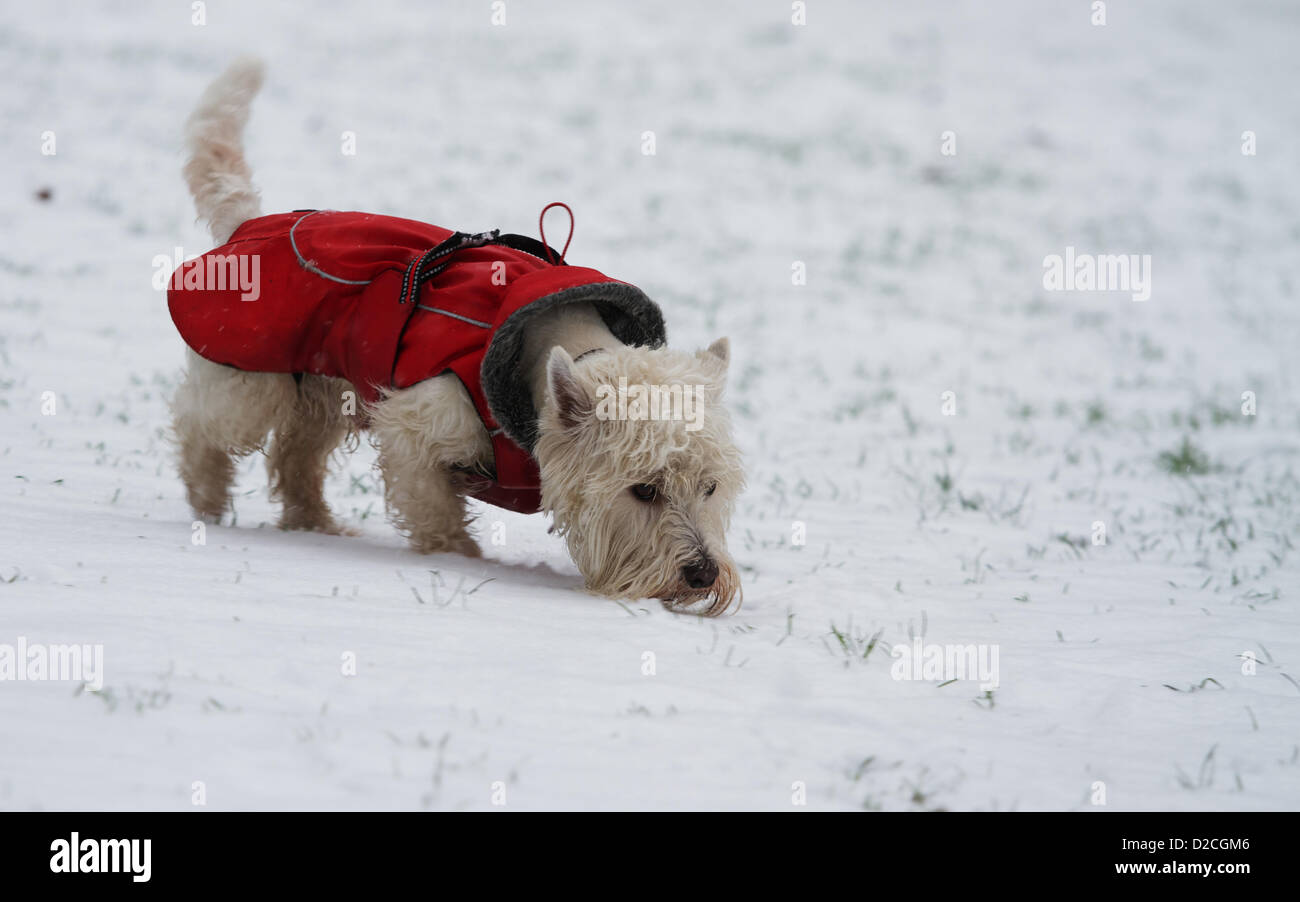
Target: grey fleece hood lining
(632, 317)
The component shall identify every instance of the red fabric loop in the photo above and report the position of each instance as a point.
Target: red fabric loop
(541, 228)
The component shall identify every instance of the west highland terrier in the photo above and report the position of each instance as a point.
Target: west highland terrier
(482, 365)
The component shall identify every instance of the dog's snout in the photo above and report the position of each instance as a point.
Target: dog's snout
(700, 574)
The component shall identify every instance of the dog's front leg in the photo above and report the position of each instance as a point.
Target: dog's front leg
(424, 434)
(427, 506)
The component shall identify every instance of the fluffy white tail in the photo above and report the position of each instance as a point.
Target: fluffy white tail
(216, 171)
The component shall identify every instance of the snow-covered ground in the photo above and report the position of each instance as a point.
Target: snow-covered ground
(1126, 664)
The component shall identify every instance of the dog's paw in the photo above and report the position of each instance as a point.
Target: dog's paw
(460, 543)
(210, 517)
(468, 547)
(314, 521)
(338, 529)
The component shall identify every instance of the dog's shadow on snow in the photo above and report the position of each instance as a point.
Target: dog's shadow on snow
(457, 573)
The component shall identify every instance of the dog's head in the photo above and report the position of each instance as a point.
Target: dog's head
(640, 473)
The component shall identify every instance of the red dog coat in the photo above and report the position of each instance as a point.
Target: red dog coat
(386, 303)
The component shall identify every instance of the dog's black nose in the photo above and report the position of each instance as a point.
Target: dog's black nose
(700, 574)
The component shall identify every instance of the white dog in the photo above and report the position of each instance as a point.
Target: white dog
(559, 397)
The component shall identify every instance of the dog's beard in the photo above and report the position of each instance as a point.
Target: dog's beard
(710, 602)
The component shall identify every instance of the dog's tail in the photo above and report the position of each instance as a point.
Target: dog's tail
(216, 171)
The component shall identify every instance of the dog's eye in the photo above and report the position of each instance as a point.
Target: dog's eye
(713, 487)
(645, 492)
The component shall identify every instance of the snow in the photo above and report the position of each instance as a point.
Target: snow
(1122, 664)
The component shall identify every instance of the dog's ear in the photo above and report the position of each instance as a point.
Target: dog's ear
(572, 405)
(721, 349)
(718, 356)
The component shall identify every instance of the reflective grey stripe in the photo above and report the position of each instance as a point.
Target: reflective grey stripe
(463, 319)
(310, 267)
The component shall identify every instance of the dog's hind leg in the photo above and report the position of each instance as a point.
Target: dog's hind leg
(311, 428)
(219, 414)
(425, 433)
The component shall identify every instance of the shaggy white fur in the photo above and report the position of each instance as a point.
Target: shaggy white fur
(626, 545)
(642, 503)
(426, 433)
